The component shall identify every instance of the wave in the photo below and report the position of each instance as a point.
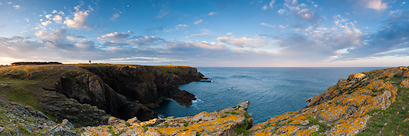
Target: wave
(242, 76)
(161, 116)
(217, 77)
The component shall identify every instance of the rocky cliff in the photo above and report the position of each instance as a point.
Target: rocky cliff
(89, 94)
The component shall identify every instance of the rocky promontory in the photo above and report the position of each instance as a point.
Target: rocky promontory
(87, 95)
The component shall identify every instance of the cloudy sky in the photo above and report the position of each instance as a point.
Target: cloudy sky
(221, 33)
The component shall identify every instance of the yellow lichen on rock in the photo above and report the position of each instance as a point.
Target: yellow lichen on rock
(222, 122)
(343, 106)
(332, 112)
(406, 74)
(356, 76)
(405, 83)
(349, 126)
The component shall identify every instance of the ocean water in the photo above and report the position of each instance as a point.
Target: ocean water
(271, 91)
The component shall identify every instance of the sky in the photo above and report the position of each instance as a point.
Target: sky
(207, 33)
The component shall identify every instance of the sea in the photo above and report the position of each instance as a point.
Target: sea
(271, 91)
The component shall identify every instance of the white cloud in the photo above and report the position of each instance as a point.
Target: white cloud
(315, 5)
(212, 13)
(281, 11)
(46, 23)
(16, 6)
(229, 33)
(61, 13)
(48, 16)
(396, 11)
(272, 3)
(243, 42)
(54, 11)
(58, 19)
(376, 4)
(9, 2)
(116, 15)
(143, 41)
(163, 12)
(403, 3)
(264, 24)
(181, 26)
(73, 37)
(199, 35)
(80, 19)
(28, 20)
(56, 35)
(294, 2)
(282, 27)
(264, 7)
(366, 28)
(198, 21)
(115, 36)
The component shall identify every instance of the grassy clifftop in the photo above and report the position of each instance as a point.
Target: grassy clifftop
(110, 87)
(24, 83)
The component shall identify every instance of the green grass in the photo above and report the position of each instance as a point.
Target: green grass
(247, 115)
(24, 130)
(234, 113)
(315, 121)
(390, 121)
(186, 123)
(24, 84)
(242, 129)
(268, 125)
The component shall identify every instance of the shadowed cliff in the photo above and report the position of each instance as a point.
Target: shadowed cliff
(89, 94)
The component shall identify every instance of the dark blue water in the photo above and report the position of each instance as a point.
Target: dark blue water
(271, 91)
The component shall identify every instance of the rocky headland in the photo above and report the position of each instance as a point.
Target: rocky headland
(116, 100)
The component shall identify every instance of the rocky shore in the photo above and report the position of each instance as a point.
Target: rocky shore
(116, 100)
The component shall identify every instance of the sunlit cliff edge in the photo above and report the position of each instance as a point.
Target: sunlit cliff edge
(367, 103)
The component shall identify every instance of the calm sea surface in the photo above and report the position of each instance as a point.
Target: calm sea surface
(271, 91)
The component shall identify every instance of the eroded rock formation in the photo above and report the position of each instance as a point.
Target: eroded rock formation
(230, 121)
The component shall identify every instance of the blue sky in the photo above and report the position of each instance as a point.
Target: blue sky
(221, 33)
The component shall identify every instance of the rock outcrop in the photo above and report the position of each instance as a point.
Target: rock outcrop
(22, 120)
(230, 121)
(342, 109)
(88, 94)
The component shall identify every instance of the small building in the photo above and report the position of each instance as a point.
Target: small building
(89, 62)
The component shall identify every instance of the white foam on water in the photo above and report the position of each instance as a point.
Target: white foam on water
(197, 100)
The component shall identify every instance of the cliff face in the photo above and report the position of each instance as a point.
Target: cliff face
(89, 94)
(148, 85)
